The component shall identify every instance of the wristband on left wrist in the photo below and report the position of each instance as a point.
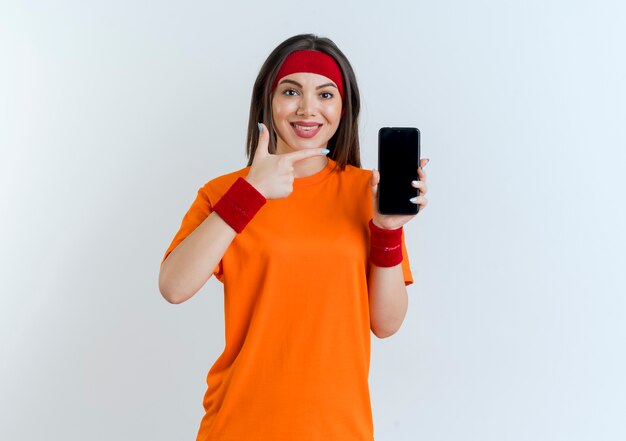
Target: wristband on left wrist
(385, 246)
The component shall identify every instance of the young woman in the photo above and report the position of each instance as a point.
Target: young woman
(308, 264)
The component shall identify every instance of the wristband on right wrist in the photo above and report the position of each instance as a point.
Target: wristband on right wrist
(239, 204)
(385, 246)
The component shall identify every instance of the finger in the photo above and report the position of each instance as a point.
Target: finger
(423, 162)
(304, 154)
(421, 200)
(374, 182)
(375, 178)
(421, 174)
(421, 185)
(264, 141)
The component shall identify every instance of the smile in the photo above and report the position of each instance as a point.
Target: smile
(305, 128)
(306, 131)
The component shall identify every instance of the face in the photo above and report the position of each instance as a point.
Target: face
(306, 110)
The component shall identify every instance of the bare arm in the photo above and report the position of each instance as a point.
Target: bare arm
(191, 263)
(388, 299)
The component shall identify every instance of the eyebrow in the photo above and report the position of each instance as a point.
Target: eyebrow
(300, 85)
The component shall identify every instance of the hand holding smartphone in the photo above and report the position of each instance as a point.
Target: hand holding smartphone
(398, 160)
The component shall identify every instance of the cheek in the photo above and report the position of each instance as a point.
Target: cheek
(283, 107)
(333, 112)
(279, 115)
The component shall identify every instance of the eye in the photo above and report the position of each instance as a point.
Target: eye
(290, 92)
(326, 95)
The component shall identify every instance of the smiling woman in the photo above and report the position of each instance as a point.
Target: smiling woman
(306, 111)
(307, 54)
(310, 267)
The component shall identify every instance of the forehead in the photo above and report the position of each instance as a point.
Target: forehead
(307, 79)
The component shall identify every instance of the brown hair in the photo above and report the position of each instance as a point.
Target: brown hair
(344, 145)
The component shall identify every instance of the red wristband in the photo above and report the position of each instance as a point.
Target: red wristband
(239, 204)
(385, 246)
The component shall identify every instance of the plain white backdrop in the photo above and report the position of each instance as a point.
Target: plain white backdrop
(113, 114)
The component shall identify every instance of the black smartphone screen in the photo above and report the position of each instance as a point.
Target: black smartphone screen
(398, 159)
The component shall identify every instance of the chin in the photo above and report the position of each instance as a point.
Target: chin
(308, 146)
(299, 144)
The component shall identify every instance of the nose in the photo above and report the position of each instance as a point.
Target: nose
(306, 106)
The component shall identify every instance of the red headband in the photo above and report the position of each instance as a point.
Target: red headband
(313, 62)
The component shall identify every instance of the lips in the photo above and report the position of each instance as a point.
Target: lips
(306, 129)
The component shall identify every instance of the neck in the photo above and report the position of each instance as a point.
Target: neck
(309, 166)
(305, 167)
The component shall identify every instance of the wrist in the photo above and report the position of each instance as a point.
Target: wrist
(380, 225)
(239, 204)
(385, 245)
(255, 184)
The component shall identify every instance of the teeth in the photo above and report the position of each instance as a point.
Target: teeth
(306, 129)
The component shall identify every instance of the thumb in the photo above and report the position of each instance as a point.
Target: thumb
(374, 182)
(264, 140)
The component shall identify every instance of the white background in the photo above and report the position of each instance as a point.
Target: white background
(113, 114)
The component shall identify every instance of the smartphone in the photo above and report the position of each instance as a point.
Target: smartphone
(398, 159)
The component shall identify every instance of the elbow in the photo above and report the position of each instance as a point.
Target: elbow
(384, 332)
(165, 286)
(171, 300)
(175, 294)
(386, 325)
(165, 291)
(169, 293)
(169, 296)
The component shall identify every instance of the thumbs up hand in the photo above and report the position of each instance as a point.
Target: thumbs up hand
(273, 175)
